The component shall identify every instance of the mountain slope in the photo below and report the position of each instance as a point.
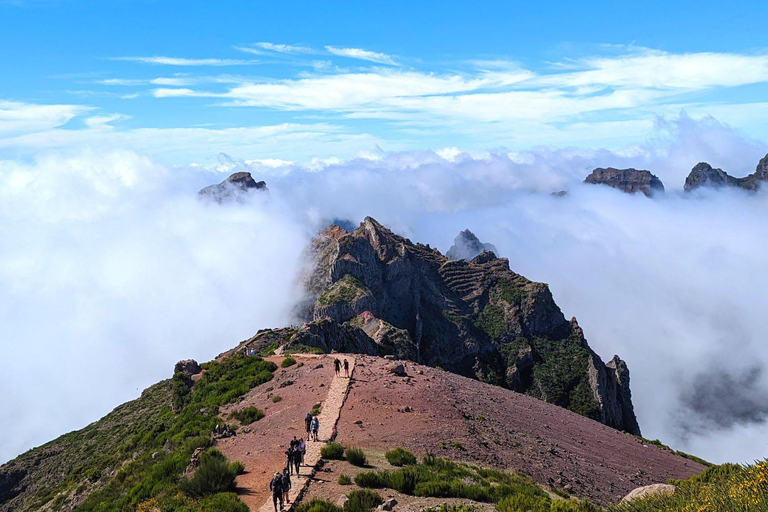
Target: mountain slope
(374, 292)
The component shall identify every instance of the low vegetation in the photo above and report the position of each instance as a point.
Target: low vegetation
(146, 466)
(344, 479)
(332, 451)
(356, 457)
(315, 409)
(247, 415)
(299, 348)
(346, 290)
(362, 500)
(725, 488)
(399, 456)
(288, 361)
(441, 478)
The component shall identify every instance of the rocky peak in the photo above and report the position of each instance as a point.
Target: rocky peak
(372, 291)
(628, 180)
(233, 187)
(703, 174)
(466, 246)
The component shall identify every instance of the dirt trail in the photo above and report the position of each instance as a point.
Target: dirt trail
(329, 416)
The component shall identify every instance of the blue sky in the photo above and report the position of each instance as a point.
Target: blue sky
(184, 81)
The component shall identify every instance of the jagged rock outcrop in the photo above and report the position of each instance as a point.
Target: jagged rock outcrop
(466, 246)
(628, 180)
(187, 366)
(703, 175)
(374, 292)
(233, 188)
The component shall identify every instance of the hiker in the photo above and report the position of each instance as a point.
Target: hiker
(296, 459)
(302, 449)
(308, 423)
(315, 428)
(276, 486)
(346, 367)
(337, 366)
(289, 458)
(286, 486)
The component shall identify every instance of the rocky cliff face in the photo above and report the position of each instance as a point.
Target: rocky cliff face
(466, 246)
(375, 292)
(703, 175)
(628, 180)
(233, 188)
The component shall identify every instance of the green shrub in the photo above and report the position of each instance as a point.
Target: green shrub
(572, 506)
(399, 456)
(356, 457)
(238, 467)
(344, 480)
(213, 476)
(315, 409)
(452, 508)
(332, 451)
(318, 505)
(247, 415)
(372, 479)
(288, 361)
(276, 398)
(362, 501)
(404, 480)
(222, 502)
(285, 384)
(433, 488)
(523, 503)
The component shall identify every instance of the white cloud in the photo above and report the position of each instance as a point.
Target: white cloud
(17, 118)
(273, 47)
(358, 53)
(177, 61)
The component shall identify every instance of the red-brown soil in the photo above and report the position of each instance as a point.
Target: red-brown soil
(467, 420)
(451, 416)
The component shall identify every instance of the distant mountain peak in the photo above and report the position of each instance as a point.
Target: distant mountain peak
(466, 246)
(233, 188)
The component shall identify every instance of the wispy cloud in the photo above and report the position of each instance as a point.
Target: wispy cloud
(261, 47)
(17, 118)
(179, 61)
(358, 53)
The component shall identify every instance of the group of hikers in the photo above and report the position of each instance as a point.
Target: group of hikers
(280, 484)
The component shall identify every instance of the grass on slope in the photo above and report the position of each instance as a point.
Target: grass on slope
(442, 478)
(725, 488)
(139, 451)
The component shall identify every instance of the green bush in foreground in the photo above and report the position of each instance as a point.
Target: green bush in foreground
(315, 409)
(362, 501)
(344, 479)
(372, 479)
(332, 451)
(318, 505)
(288, 361)
(356, 457)
(247, 415)
(400, 457)
(214, 475)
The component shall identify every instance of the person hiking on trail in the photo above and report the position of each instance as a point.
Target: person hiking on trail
(302, 449)
(308, 423)
(296, 460)
(289, 458)
(276, 486)
(315, 428)
(294, 443)
(346, 367)
(286, 486)
(337, 365)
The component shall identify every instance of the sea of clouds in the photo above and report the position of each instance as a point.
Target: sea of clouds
(112, 269)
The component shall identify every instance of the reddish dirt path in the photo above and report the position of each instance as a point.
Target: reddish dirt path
(261, 446)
